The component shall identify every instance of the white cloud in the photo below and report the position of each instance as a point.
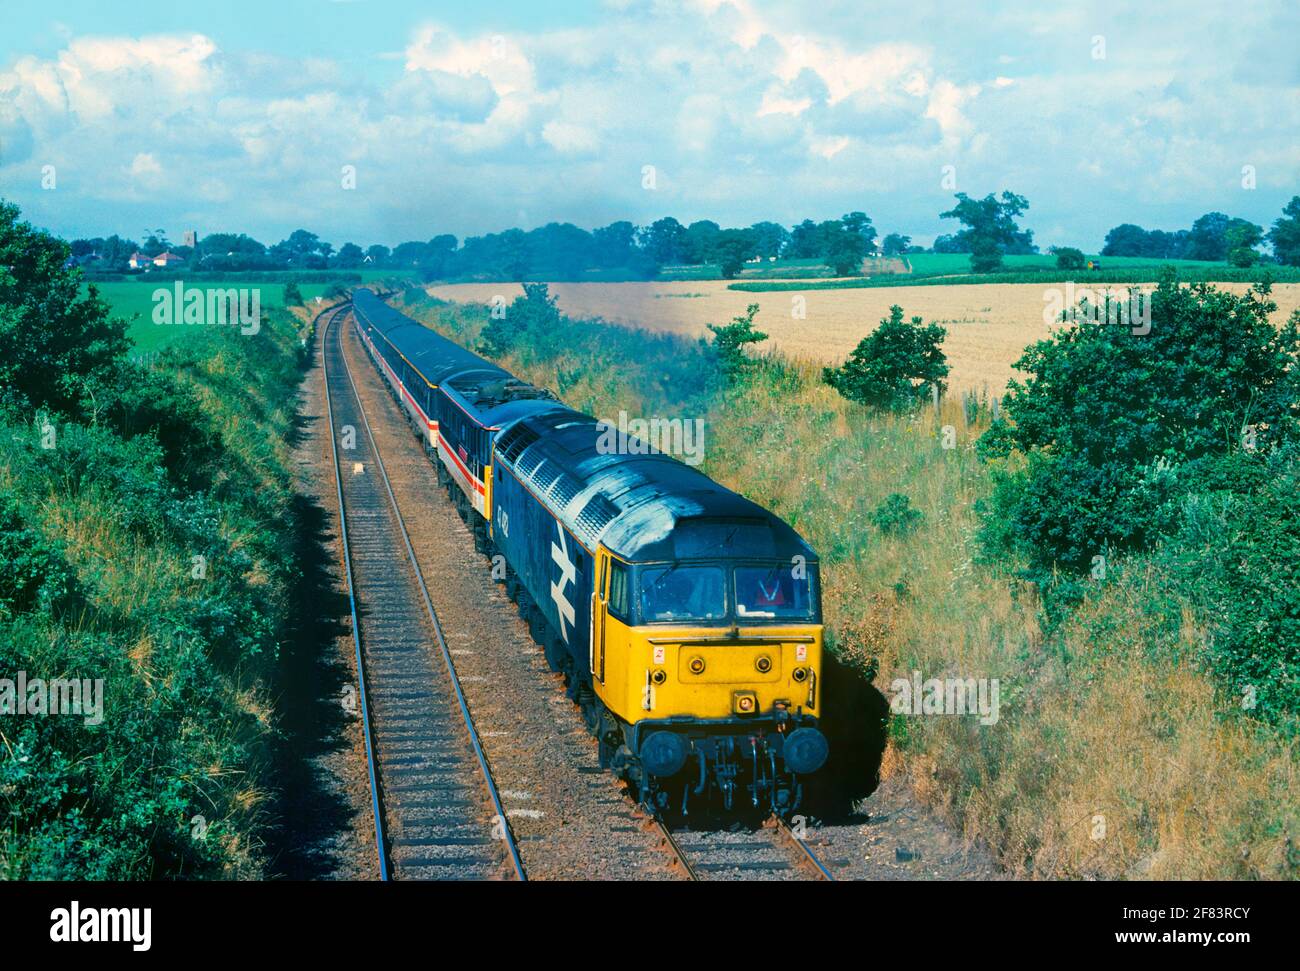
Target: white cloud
(757, 109)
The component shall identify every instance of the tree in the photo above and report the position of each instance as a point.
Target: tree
(155, 244)
(990, 226)
(948, 243)
(770, 238)
(350, 255)
(732, 248)
(292, 295)
(55, 339)
(894, 365)
(895, 244)
(729, 341)
(1116, 426)
(1125, 239)
(1208, 238)
(859, 224)
(1241, 240)
(614, 244)
(700, 241)
(379, 255)
(665, 240)
(1285, 234)
(846, 242)
(805, 241)
(1068, 258)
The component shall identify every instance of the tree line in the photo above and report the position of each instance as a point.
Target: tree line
(624, 250)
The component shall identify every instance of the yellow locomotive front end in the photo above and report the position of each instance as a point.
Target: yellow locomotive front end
(709, 671)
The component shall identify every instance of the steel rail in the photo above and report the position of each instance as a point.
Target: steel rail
(490, 783)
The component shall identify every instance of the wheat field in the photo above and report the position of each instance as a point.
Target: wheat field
(988, 325)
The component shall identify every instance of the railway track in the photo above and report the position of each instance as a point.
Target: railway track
(773, 852)
(437, 811)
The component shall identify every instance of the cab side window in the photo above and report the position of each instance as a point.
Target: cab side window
(618, 589)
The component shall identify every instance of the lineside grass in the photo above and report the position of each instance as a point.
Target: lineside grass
(166, 568)
(1115, 755)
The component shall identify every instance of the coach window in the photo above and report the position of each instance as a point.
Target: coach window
(618, 589)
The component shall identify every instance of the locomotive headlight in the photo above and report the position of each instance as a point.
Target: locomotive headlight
(800, 675)
(659, 676)
(763, 664)
(696, 665)
(744, 702)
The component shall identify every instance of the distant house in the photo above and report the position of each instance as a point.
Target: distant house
(166, 260)
(139, 261)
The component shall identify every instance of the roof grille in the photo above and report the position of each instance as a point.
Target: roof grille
(598, 513)
(529, 461)
(515, 441)
(545, 475)
(565, 488)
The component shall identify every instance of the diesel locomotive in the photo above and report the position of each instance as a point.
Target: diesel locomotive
(685, 619)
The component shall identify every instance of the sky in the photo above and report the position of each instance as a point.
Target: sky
(382, 120)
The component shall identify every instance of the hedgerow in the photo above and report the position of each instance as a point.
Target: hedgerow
(146, 543)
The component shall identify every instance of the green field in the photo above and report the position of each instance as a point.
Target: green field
(929, 265)
(134, 302)
(942, 269)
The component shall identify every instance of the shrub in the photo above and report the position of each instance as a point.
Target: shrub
(1116, 424)
(729, 341)
(33, 574)
(893, 365)
(1243, 256)
(53, 337)
(1069, 258)
(531, 314)
(1236, 559)
(895, 515)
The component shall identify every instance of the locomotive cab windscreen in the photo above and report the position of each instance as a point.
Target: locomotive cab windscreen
(723, 592)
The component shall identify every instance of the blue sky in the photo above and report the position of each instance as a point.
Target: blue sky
(469, 118)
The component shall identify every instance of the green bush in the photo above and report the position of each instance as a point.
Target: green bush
(1069, 258)
(1116, 423)
(730, 340)
(530, 315)
(1236, 560)
(54, 338)
(894, 365)
(107, 496)
(895, 515)
(33, 574)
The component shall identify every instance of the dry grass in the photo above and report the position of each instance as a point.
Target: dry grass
(1109, 717)
(988, 325)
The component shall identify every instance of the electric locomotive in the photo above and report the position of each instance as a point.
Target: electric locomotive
(685, 618)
